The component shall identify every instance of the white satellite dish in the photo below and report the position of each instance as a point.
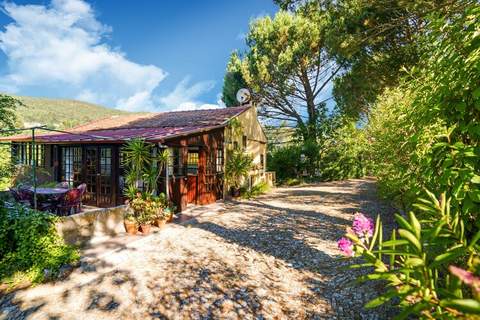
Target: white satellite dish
(243, 95)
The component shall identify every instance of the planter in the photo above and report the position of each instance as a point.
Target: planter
(130, 226)
(159, 223)
(145, 228)
(170, 218)
(235, 192)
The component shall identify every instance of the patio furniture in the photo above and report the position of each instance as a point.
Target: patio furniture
(69, 202)
(63, 184)
(21, 196)
(82, 188)
(48, 198)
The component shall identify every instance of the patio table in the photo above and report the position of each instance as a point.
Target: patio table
(48, 198)
(55, 192)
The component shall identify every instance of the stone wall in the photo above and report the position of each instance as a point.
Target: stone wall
(86, 226)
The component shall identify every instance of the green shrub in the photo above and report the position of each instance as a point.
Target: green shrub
(258, 189)
(237, 167)
(425, 136)
(346, 154)
(415, 260)
(285, 161)
(293, 182)
(29, 244)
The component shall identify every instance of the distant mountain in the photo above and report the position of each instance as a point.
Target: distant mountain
(60, 113)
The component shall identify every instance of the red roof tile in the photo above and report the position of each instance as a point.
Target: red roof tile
(152, 126)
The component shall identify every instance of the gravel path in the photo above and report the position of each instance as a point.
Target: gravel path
(270, 258)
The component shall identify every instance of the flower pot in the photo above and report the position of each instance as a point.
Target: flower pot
(130, 226)
(145, 228)
(159, 223)
(235, 192)
(170, 218)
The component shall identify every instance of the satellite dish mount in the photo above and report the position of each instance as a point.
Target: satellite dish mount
(243, 96)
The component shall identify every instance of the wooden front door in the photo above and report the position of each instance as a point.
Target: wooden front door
(192, 188)
(98, 176)
(192, 176)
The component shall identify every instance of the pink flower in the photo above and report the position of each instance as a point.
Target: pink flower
(346, 246)
(363, 226)
(466, 277)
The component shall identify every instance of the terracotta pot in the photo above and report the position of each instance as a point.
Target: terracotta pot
(235, 192)
(145, 228)
(170, 218)
(160, 223)
(130, 226)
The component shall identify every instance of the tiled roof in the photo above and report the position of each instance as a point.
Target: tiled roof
(151, 126)
(205, 118)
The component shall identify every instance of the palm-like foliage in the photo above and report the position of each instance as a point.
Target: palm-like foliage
(143, 166)
(237, 167)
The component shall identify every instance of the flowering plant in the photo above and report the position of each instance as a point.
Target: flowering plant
(417, 259)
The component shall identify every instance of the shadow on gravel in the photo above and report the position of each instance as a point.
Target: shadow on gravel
(14, 306)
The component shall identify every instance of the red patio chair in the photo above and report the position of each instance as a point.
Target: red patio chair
(69, 202)
(82, 188)
(21, 196)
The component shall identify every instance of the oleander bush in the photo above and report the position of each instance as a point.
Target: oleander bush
(419, 262)
(30, 244)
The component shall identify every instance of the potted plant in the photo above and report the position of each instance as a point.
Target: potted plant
(168, 212)
(237, 167)
(145, 222)
(130, 223)
(160, 219)
(157, 207)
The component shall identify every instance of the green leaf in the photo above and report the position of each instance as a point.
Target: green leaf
(417, 228)
(464, 305)
(474, 240)
(414, 262)
(447, 256)
(474, 195)
(378, 301)
(391, 243)
(411, 238)
(403, 223)
(375, 234)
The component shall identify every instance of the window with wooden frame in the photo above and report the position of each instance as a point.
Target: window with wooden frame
(262, 161)
(211, 168)
(220, 159)
(71, 169)
(22, 153)
(192, 162)
(209, 183)
(244, 142)
(175, 163)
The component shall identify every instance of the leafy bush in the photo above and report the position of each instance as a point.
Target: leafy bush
(346, 154)
(415, 260)
(237, 167)
(285, 161)
(258, 189)
(29, 244)
(425, 135)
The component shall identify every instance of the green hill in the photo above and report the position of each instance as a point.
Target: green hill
(60, 113)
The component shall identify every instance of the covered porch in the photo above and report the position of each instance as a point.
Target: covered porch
(194, 173)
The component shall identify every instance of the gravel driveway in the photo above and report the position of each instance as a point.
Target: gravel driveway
(270, 258)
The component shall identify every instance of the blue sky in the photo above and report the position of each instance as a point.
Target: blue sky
(134, 55)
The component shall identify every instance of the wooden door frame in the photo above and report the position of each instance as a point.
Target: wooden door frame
(114, 167)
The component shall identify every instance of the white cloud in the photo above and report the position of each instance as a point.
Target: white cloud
(185, 96)
(61, 46)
